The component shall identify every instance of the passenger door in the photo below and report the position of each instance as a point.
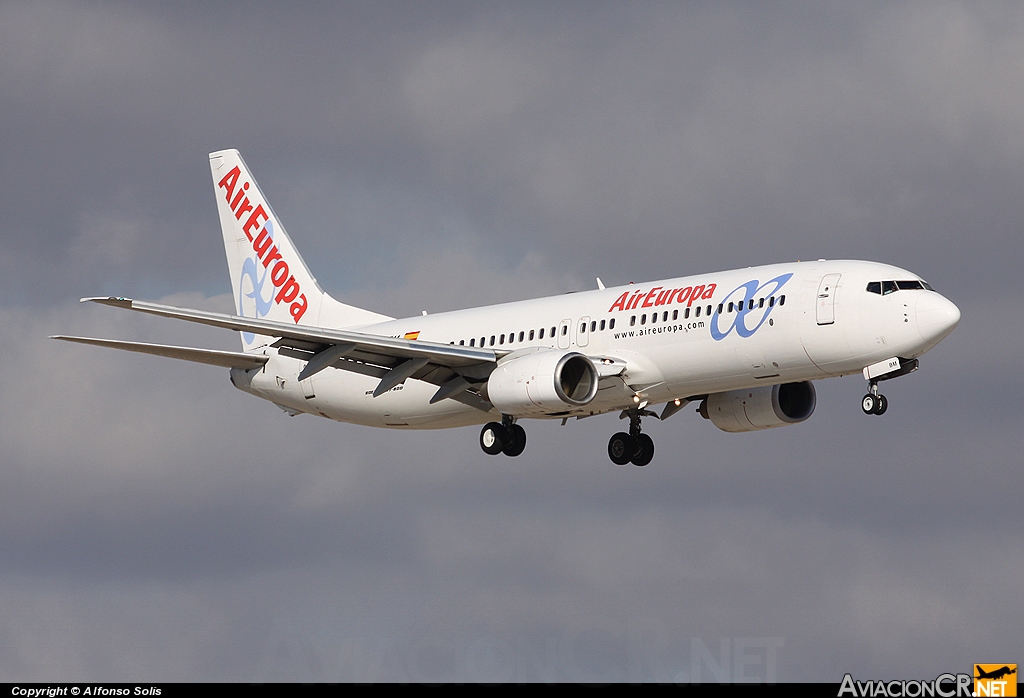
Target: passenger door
(826, 300)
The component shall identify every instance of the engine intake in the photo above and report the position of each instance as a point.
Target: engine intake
(542, 383)
(760, 408)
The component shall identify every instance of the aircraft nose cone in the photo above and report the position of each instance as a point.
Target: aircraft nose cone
(936, 317)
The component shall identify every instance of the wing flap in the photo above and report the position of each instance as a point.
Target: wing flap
(212, 357)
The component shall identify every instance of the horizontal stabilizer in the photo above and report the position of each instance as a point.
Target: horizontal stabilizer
(213, 357)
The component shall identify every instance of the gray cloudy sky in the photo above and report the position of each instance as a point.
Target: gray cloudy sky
(156, 524)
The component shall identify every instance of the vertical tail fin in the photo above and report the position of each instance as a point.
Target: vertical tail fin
(268, 277)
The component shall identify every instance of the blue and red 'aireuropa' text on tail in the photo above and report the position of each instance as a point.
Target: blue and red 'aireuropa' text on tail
(288, 289)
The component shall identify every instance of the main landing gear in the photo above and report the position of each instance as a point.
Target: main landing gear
(508, 437)
(634, 447)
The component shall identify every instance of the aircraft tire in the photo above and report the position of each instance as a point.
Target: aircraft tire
(620, 448)
(493, 438)
(516, 441)
(644, 453)
(883, 405)
(869, 403)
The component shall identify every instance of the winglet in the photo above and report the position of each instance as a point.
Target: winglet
(108, 300)
(600, 284)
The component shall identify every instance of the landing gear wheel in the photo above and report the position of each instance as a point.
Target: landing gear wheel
(869, 404)
(620, 448)
(516, 441)
(493, 438)
(644, 450)
(883, 405)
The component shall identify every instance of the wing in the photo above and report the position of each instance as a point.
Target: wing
(456, 370)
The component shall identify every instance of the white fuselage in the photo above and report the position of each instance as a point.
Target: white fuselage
(799, 321)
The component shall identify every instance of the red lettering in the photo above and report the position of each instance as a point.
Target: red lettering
(620, 302)
(708, 293)
(695, 296)
(271, 256)
(634, 300)
(243, 209)
(279, 273)
(262, 243)
(228, 183)
(254, 219)
(684, 293)
(288, 291)
(649, 298)
(299, 307)
(238, 196)
(671, 295)
(661, 297)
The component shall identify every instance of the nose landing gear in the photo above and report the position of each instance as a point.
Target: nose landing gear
(635, 447)
(874, 402)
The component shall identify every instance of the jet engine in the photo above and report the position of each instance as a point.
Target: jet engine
(544, 382)
(763, 407)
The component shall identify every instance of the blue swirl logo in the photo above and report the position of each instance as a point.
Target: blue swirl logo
(746, 320)
(251, 270)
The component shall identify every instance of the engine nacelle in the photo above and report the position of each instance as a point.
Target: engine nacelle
(760, 408)
(544, 382)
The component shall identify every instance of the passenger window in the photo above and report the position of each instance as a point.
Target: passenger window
(583, 327)
(552, 331)
(611, 324)
(462, 342)
(782, 299)
(888, 287)
(730, 307)
(697, 313)
(632, 320)
(664, 316)
(875, 287)
(771, 302)
(492, 340)
(708, 311)
(643, 319)
(520, 336)
(472, 342)
(760, 302)
(602, 325)
(750, 304)
(531, 335)
(541, 336)
(719, 308)
(501, 339)
(565, 329)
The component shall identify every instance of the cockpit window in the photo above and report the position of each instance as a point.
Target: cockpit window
(886, 287)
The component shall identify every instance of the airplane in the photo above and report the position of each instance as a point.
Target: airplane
(994, 674)
(745, 345)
